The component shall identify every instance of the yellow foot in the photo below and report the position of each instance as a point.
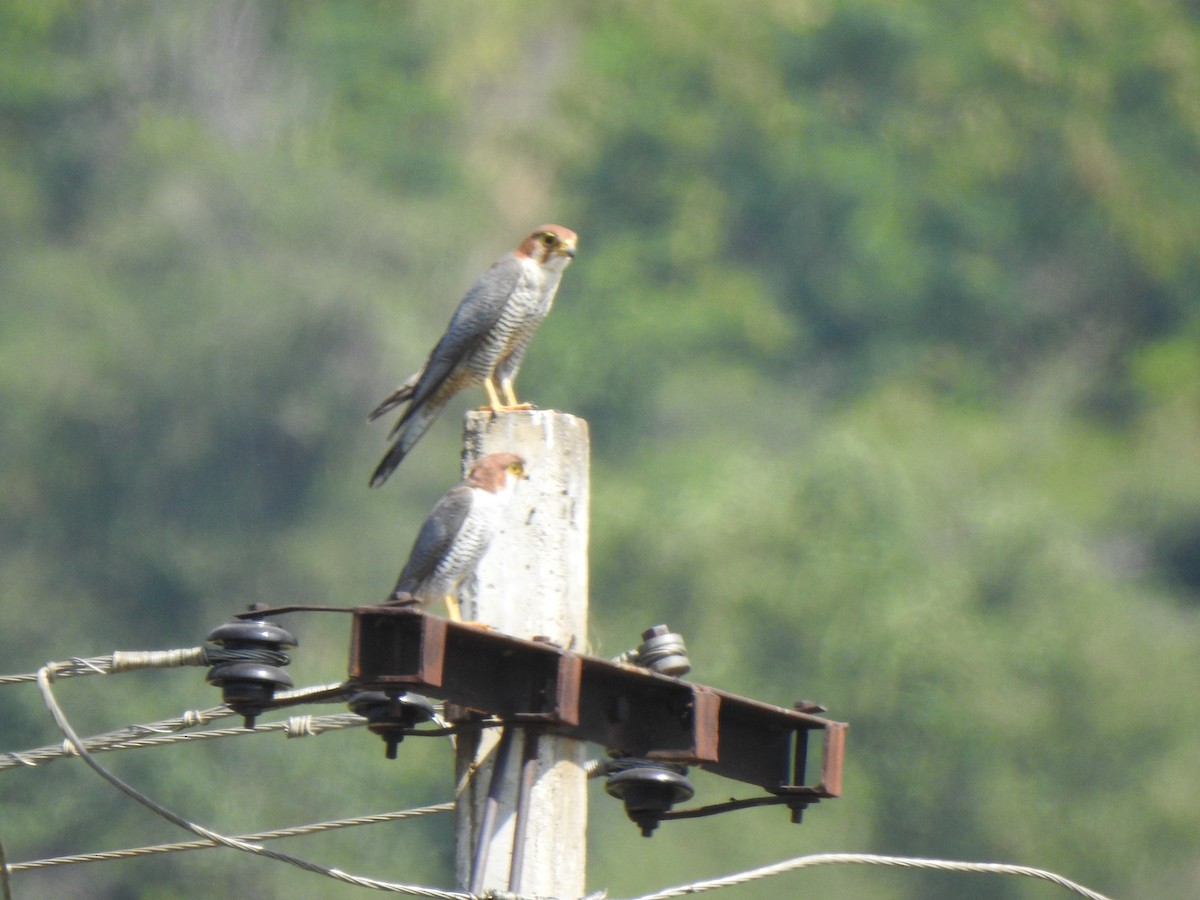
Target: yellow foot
(503, 409)
(483, 626)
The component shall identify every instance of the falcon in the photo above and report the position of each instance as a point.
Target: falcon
(485, 341)
(457, 532)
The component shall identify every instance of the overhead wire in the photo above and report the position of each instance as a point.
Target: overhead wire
(75, 666)
(167, 731)
(139, 736)
(208, 843)
(46, 675)
(131, 660)
(820, 859)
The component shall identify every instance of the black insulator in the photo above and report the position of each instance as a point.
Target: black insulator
(663, 651)
(247, 687)
(648, 790)
(389, 717)
(245, 667)
(246, 634)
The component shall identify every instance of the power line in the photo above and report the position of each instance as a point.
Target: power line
(165, 731)
(820, 859)
(138, 736)
(113, 739)
(96, 665)
(131, 660)
(119, 661)
(297, 831)
(45, 676)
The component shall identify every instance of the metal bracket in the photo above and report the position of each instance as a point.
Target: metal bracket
(625, 708)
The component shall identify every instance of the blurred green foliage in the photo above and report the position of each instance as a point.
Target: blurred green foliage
(885, 321)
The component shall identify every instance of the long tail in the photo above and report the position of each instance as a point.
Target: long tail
(400, 395)
(414, 424)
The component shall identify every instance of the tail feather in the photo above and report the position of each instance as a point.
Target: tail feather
(400, 395)
(387, 465)
(410, 429)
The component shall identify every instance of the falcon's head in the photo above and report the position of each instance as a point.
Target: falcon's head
(496, 472)
(549, 245)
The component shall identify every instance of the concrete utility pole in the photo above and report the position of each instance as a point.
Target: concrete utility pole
(532, 583)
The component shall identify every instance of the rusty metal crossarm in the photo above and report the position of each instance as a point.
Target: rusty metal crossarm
(624, 708)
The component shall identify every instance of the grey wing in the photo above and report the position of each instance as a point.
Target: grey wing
(477, 314)
(435, 538)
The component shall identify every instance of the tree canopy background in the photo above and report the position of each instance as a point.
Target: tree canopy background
(884, 319)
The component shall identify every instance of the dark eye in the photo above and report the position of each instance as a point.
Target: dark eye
(549, 239)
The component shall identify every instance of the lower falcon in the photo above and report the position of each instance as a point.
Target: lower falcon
(457, 532)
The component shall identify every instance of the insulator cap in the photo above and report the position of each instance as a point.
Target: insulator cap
(648, 791)
(389, 716)
(248, 688)
(246, 633)
(663, 651)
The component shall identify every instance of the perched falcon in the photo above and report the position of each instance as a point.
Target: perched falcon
(485, 341)
(457, 532)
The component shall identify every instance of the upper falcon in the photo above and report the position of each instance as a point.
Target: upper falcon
(485, 341)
